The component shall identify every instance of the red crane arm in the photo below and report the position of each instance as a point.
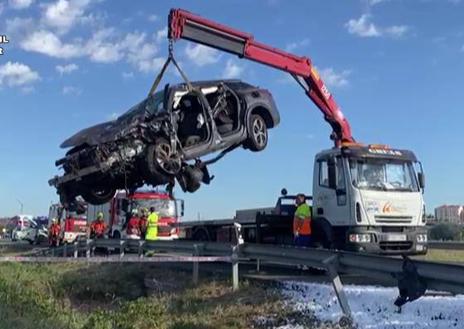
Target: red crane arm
(185, 25)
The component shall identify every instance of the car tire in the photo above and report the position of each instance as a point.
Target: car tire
(98, 196)
(257, 133)
(161, 162)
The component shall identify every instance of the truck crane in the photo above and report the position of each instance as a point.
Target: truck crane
(365, 197)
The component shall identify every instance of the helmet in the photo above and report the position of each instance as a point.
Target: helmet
(53, 220)
(134, 211)
(99, 214)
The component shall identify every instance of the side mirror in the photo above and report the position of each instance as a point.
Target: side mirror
(421, 179)
(284, 191)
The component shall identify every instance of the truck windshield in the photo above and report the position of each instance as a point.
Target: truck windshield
(383, 175)
(164, 207)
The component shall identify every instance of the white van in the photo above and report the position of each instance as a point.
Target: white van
(21, 225)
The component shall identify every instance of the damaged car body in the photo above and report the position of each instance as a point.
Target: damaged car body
(162, 139)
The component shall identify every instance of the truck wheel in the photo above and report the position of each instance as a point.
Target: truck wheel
(201, 235)
(98, 195)
(257, 133)
(162, 160)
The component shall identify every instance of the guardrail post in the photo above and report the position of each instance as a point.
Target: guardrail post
(87, 248)
(331, 264)
(141, 243)
(53, 251)
(196, 266)
(65, 250)
(258, 265)
(234, 268)
(76, 249)
(121, 248)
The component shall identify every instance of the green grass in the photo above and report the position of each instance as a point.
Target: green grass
(114, 296)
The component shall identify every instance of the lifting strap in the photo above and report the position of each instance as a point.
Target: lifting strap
(165, 66)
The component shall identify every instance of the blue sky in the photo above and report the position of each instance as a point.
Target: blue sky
(394, 66)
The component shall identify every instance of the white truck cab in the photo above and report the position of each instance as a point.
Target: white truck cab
(369, 198)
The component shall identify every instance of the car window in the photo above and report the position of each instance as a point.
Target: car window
(152, 105)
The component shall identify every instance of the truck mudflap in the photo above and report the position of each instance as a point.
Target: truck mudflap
(406, 240)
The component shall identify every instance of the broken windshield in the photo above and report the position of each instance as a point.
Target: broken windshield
(152, 105)
(383, 175)
(164, 207)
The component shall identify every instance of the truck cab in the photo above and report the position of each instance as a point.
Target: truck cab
(369, 198)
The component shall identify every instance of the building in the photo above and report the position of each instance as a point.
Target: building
(450, 213)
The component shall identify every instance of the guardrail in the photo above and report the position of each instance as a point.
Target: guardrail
(413, 276)
(446, 245)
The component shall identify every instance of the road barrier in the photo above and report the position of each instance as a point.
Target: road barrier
(413, 276)
(446, 245)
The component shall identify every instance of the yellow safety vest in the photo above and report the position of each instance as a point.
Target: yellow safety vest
(152, 227)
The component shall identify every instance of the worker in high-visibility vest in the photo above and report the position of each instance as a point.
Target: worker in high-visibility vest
(302, 222)
(98, 227)
(152, 225)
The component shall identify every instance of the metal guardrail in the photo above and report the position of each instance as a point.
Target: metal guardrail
(414, 275)
(446, 245)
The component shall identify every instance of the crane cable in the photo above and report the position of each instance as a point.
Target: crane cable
(165, 66)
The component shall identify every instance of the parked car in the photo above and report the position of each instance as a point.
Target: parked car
(20, 224)
(162, 139)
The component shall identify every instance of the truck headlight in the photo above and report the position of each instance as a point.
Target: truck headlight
(360, 238)
(421, 238)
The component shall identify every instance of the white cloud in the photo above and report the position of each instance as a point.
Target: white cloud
(20, 4)
(102, 48)
(127, 75)
(14, 74)
(334, 79)
(161, 35)
(201, 55)
(397, 31)
(153, 18)
(71, 91)
(362, 27)
(376, 2)
(64, 14)
(297, 45)
(17, 28)
(47, 43)
(66, 69)
(232, 70)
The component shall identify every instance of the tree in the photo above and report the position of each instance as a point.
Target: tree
(445, 232)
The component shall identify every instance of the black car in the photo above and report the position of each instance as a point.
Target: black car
(162, 139)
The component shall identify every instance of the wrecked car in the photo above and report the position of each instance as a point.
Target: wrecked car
(161, 140)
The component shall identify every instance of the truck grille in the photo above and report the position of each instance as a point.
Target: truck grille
(394, 219)
(395, 245)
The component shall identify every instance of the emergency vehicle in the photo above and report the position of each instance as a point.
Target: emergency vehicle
(118, 211)
(73, 225)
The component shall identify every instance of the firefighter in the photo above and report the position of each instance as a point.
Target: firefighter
(302, 222)
(98, 227)
(152, 225)
(143, 222)
(54, 233)
(133, 226)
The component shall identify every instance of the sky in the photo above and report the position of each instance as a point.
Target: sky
(394, 67)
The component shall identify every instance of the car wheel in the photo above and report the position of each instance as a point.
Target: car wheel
(98, 195)
(257, 133)
(162, 161)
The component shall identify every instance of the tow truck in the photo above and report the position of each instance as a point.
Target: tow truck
(365, 197)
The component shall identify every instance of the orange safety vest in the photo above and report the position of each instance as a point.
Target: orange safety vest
(302, 220)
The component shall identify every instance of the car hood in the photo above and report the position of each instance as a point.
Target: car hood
(104, 132)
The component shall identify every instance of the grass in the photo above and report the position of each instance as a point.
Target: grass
(127, 296)
(438, 255)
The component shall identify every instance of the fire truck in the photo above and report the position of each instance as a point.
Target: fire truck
(73, 224)
(119, 209)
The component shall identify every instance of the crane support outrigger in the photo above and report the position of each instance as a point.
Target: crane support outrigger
(185, 25)
(365, 197)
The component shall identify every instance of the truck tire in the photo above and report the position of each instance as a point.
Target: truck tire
(201, 234)
(257, 133)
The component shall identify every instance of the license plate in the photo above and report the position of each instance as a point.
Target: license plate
(396, 237)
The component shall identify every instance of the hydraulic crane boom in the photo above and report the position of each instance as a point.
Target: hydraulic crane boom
(185, 25)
